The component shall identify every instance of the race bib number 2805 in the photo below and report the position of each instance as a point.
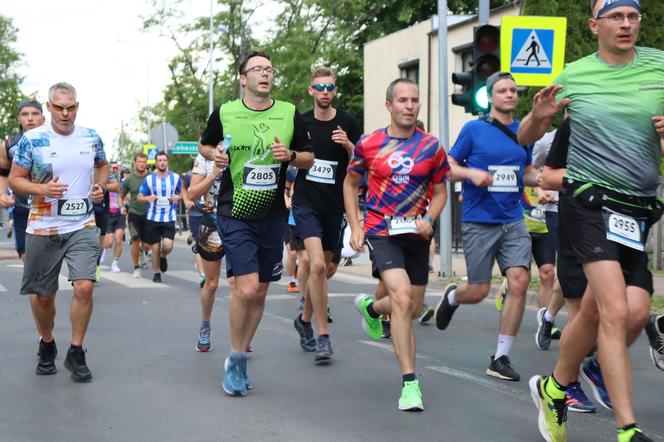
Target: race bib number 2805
(260, 177)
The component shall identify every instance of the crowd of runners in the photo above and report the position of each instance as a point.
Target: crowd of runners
(578, 200)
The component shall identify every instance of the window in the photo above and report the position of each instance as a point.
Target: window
(410, 70)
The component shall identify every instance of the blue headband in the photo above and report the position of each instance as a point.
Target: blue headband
(607, 5)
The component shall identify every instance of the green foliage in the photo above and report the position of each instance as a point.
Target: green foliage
(10, 81)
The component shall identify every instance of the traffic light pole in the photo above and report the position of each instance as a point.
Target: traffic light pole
(484, 12)
(445, 223)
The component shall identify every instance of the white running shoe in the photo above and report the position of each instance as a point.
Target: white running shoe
(137, 273)
(115, 268)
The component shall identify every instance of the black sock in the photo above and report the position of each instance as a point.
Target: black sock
(557, 384)
(628, 427)
(326, 335)
(409, 377)
(660, 323)
(303, 321)
(72, 346)
(135, 267)
(372, 312)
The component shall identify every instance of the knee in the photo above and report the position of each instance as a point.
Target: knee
(247, 293)
(638, 318)
(403, 304)
(547, 274)
(43, 301)
(211, 284)
(477, 292)
(317, 268)
(83, 290)
(518, 282)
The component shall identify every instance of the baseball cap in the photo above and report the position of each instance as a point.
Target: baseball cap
(30, 102)
(495, 77)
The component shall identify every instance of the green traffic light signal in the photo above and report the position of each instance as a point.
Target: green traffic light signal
(481, 99)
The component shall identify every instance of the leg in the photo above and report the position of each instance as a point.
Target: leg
(638, 301)
(135, 250)
(209, 290)
(155, 256)
(547, 274)
(117, 249)
(515, 303)
(316, 282)
(166, 246)
(81, 310)
(246, 310)
(43, 310)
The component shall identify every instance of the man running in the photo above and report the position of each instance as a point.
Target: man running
(161, 190)
(267, 136)
(137, 210)
(608, 203)
(402, 163)
(318, 201)
(492, 219)
(64, 168)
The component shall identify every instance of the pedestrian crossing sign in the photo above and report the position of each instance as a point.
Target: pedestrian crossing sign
(533, 48)
(151, 151)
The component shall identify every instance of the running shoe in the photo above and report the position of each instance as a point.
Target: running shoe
(307, 341)
(75, 363)
(203, 344)
(593, 375)
(137, 273)
(411, 397)
(98, 274)
(201, 280)
(103, 256)
(387, 332)
(543, 333)
(190, 240)
(115, 268)
(372, 326)
(501, 294)
(551, 412)
(656, 340)
(300, 305)
(425, 314)
(163, 264)
(249, 349)
(632, 435)
(323, 350)
(47, 353)
(234, 382)
(444, 311)
(556, 333)
(156, 278)
(243, 366)
(292, 287)
(330, 318)
(577, 400)
(143, 259)
(501, 368)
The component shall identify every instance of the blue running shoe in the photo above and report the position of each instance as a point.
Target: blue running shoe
(577, 400)
(247, 380)
(234, 381)
(203, 343)
(593, 375)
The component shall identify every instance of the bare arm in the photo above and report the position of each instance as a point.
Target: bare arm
(530, 176)
(552, 179)
(207, 151)
(438, 200)
(544, 110)
(303, 160)
(113, 185)
(352, 205)
(481, 178)
(199, 185)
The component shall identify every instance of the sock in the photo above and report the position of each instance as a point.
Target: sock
(372, 312)
(504, 345)
(205, 325)
(451, 298)
(325, 335)
(408, 377)
(627, 432)
(136, 267)
(72, 346)
(237, 354)
(548, 316)
(660, 323)
(553, 388)
(303, 321)
(291, 279)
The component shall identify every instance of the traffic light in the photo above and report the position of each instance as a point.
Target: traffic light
(465, 98)
(486, 61)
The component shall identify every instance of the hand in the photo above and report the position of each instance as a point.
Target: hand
(123, 210)
(544, 103)
(97, 193)
(6, 200)
(339, 136)
(357, 240)
(217, 171)
(288, 201)
(54, 189)
(221, 159)
(279, 151)
(424, 228)
(188, 204)
(152, 198)
(544, 196)
(658, 121)
(175, 199)
(481, 178)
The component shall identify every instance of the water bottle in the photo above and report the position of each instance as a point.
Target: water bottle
(226, 144)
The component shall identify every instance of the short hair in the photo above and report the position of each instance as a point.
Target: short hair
(140, 155)
(161, 153)
(322, 71)
(61, 86)
(249, 56)
(389, 93)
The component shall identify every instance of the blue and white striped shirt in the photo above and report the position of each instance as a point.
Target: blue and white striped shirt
(161, 210)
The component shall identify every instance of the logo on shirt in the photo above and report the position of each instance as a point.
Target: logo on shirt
(401, 166)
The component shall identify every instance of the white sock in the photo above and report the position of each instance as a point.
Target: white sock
(291, 279)
(548, 316)
(451, 298)
(504, 345)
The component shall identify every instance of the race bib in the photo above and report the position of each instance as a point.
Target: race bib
(537, 213)
(73, 208)
(260, 177)
(504, 178)
(400, 225)
(624, 229)
(323, 171)
(162, 202)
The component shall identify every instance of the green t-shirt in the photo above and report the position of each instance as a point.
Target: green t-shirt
(130, 186)
(613, 142)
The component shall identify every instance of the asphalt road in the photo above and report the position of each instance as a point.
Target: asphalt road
(150, 385)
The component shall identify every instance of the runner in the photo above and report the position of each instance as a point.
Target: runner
(318, 200)
(137, 211)
(291, 255)
(193, 207)
(116, 219)
(205, 186)
(64, 168)
(492, 219)
(611, 181)
(267, 135)
(102, 215)
(161, 190)
(402, 162)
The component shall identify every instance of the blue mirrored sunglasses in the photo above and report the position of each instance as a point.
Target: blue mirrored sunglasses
(320, 87)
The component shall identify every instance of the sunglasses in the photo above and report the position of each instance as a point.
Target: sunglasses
(320, 87)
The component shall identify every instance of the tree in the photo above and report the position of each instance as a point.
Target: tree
(10, 80)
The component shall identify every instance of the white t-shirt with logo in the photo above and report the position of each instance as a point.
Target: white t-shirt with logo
(72, 159)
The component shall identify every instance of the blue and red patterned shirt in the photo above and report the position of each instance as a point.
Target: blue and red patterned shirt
(401, 174)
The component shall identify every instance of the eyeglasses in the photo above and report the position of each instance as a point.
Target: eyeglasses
(259, 70)
(619, 18)
(60, 108)
(320, 87)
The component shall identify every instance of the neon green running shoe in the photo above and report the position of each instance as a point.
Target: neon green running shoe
(411, 397)
(98, 274)
(372, 326)
(552, 413)
(500, 295)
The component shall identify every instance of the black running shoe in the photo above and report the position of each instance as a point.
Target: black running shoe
(163, 264)
(501, 368)
(47, 353)
(444, 311)
(156, 277)
(306, 332)
(75, 362)
(323, 350)
(387, 332)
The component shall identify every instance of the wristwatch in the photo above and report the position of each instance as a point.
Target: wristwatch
(293, 155)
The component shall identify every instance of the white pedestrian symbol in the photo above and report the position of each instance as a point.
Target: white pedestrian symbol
(532, 54)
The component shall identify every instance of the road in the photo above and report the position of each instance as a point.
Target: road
(150, 385)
